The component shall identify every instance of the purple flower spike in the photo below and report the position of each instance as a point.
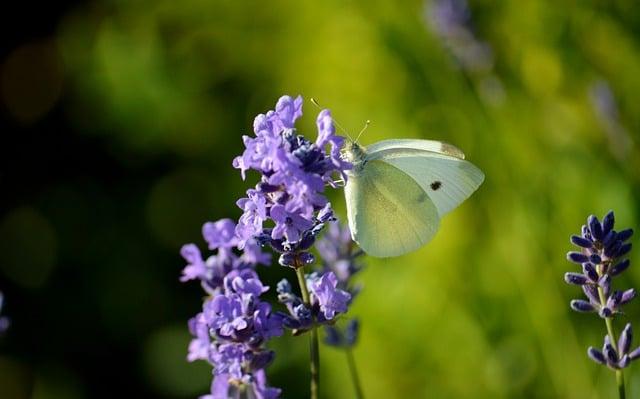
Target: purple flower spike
(601, 250)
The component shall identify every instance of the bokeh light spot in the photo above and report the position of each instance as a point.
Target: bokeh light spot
(31, 80)
(28, 247)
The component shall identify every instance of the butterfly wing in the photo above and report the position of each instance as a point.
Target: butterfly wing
(448, 180)
(414, 144)
(389, 213)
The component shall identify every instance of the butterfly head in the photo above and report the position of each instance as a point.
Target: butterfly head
(354, 153)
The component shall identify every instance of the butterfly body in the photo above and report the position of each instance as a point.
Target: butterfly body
(398, 190)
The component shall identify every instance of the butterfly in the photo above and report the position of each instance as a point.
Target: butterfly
(398, 190)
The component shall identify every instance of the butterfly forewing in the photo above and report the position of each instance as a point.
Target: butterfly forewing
(446, 179)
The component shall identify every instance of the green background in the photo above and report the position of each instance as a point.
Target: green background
(149, 100)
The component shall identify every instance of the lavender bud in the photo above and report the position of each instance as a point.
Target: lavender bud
(635, 354)
(610, 353)
(590, 272)
(605, 284)
(595, 227)
(351, 332)
(607, 222)
(306, 258)
(288, 259)
(596, 355)
(577, 257)
(332, 337)
(585, 232)
(627, 296)
(624, 343)
(612, 250)
(284, 287)
(575, 278)
(609, 238)
(580, 305)
(620, 267)
(624, 362)
(591, 292)
(262, 359)
(624, 249)
(605, 312)
(595, 259)
(624, 235)
(614, 300)
(581, 242)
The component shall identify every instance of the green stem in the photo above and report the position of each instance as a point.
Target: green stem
(313, 343)
(354, 374)
(614, 342)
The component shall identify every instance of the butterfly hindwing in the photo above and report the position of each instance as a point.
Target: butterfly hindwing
(389, 213)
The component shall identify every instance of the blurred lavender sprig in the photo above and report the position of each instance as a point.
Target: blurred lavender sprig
(601, 256)
(340, 255)
(285, 211)
(451, 21)
(606, 108)
(4, 321)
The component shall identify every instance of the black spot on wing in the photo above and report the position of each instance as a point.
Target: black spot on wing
(436, 185)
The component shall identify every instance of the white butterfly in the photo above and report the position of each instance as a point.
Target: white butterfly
(398, 190)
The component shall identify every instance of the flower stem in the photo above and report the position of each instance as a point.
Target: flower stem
(354, 374)
(612, 336)
(314, 351)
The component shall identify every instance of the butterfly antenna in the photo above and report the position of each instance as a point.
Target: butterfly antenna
(314, 102)
(366, 125)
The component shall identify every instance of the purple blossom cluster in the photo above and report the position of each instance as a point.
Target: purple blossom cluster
(285, 211)
(340, 255)
(601, 256)
(230, 333)
(294, 172)
(327, 301)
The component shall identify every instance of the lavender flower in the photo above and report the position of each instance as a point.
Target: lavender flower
(285, 211)
(327, 302)
(231, 331)
(601, 254)
(616, 356)
(4, 321)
